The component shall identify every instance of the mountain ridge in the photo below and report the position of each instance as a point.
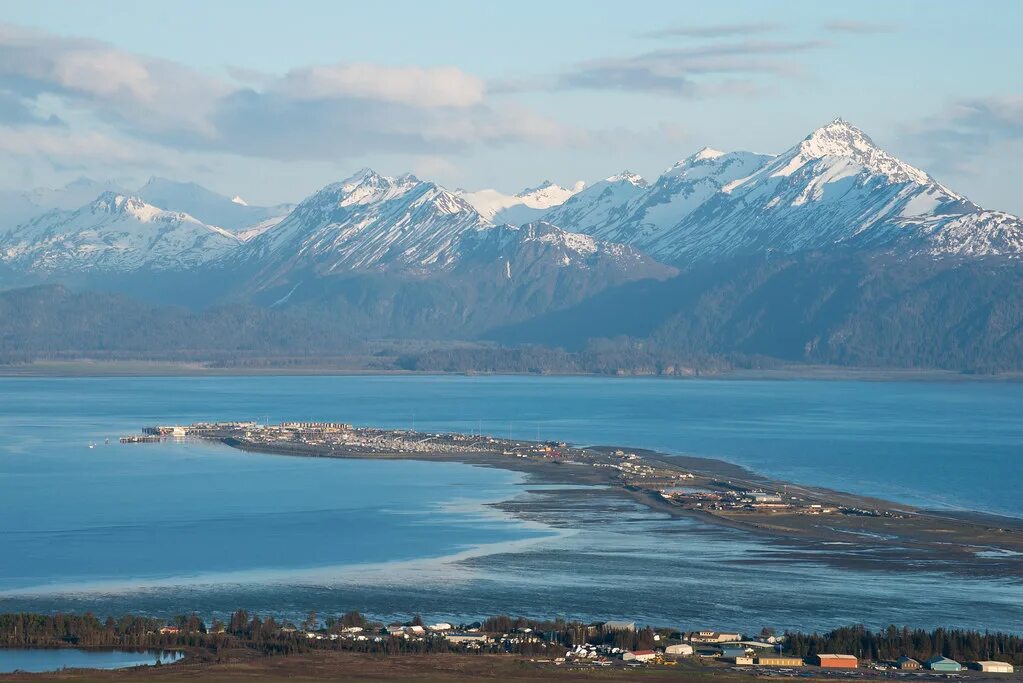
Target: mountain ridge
(725, 252)
(834, 187)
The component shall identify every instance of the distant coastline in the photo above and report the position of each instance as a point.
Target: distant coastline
(793, 372)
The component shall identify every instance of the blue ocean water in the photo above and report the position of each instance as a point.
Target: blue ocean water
(170, 528)
(37, 661)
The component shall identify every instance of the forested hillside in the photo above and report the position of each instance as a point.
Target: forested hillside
(851, 309)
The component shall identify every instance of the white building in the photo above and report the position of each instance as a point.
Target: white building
(467, 638)
(713, 637)
(993, 667)
(638, 656)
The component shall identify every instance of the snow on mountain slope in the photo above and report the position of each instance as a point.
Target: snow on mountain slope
(114, 233)
(369, 222)
(836, 188)
(258, 229)
(641, 214)
(208, 206)
(533, 249)
(548, 194)
(19, 207)
(605, 203)
(526, 206)
(372, 223)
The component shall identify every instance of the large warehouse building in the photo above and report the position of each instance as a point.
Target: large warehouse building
(993, 667)
(945, 664)
(835, 661)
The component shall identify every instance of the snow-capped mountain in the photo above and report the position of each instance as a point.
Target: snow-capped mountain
(835, 188)
(114, 233)
(625, 210)
(548, 194)
(369, 222)
(18, 207)
(235, 215)
(604, 203)
(373, 223)
(523, 207)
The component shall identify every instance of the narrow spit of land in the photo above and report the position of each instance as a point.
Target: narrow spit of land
(820, 524)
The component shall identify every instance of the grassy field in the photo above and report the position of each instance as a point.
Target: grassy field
(347, 666)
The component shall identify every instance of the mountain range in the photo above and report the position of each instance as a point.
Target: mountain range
(405, 257)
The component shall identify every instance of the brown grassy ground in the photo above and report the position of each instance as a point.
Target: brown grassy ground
(348, 666)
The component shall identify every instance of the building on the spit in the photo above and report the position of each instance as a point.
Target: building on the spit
(763, 497)
(320, 426)
(944, 664)
(732, 652)
(713, 637)
(907, 663)
(638, 656)
(679, 649)
(778, 661)
(826, 661)
(467, 638)
(992, 667)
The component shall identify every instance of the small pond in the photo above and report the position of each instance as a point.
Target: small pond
(36, 660)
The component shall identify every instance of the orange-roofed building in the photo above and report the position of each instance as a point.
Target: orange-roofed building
(835, 661)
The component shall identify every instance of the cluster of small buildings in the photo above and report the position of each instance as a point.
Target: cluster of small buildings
(742, 500)
(337, 438)
(724, 646)
(946, 665)
(468, 638)
(763, 652)
(742, 654)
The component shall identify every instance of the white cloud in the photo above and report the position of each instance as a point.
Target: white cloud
(414, 86)
(325, 113)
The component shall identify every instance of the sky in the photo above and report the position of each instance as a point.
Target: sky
(273, 100)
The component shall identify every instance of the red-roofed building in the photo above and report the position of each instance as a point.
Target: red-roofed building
(835, 661)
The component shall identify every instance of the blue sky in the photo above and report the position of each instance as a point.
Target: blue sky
(273, 100)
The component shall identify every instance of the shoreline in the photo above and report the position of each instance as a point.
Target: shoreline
(869, 532)
(793, 372)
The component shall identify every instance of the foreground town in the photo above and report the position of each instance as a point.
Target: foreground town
(606, 650)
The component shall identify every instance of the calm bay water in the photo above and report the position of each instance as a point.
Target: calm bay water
(40, 660)
(170, 528)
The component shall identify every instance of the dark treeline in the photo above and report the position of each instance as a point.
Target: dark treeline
(270, 636)
(601, 357)
(893, 642)
(87, 630)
